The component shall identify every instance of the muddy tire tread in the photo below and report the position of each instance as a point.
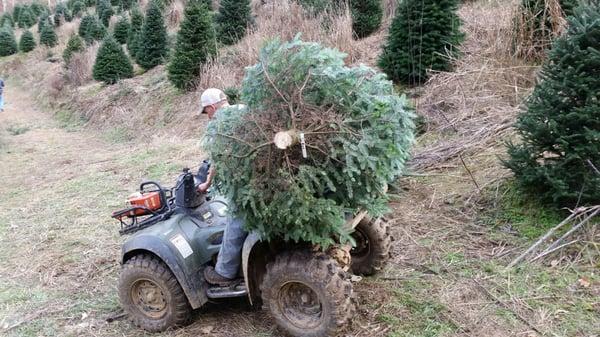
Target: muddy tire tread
(180, 308)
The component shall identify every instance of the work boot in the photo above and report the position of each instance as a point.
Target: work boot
(212, 277)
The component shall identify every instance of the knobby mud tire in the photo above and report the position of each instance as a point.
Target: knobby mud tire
(148, 268)
(374, 255)
(328, 283)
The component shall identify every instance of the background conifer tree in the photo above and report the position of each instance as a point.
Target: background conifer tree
(366, 16)
(77, 8)
(105, 12)
(26, 17)
(48, 36)
(6, 19)
(421, 35)
(27, 42)
(559, 158)
(153, 39)
(8, 43)
(61, 12)
(16, 13)
(90, 29)
(232, 20)
(195, 44)
(122, 30)
(39, 9)
(74, 45)
(111, 62)
(133, 38)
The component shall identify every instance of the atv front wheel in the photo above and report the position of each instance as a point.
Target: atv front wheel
(308, 294)
(373, 243)
(151, 295)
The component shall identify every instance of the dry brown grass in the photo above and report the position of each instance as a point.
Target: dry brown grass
(473, 106)
(530, 41)
(79, 70)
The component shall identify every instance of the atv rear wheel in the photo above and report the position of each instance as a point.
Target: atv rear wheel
(308, 294)
(373, 243)
(151, 295)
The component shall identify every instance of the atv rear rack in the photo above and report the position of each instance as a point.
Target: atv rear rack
(136, 218)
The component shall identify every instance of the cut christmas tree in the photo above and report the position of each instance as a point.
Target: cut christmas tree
(316, 140)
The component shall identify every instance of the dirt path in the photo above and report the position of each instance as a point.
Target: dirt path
(60, 249)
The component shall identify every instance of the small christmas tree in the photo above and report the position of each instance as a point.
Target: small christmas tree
(61, 12)
(195, 44)
(85, 25)
(126, 4)
(77, 8)
(422, 35)
(133, 38)
(26, 17)
(111, 62)
(27, 42)
(17, 12)
(39, 9)
(366, 16)
(48, 36)
(105, 12)
(153, 39)
(233, 20)
(90, 29)
(8, 43)
(7, 20)
(122, 30)
(559, 159)
(44, 20)
(74, 45)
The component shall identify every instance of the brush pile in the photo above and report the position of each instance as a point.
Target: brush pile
(317, 139)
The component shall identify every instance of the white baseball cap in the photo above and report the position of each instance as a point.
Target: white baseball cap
(211, 96)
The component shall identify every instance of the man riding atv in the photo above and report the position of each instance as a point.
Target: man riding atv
(229, 258)
(179, 233)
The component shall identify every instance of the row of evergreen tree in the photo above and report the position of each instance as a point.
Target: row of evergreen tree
(9, 46)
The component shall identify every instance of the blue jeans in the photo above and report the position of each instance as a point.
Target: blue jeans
(1, 101)
(230, 255)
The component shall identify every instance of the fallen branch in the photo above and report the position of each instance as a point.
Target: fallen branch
(548, 252)
(541, 240)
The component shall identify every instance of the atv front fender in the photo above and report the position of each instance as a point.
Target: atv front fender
(250, 276)
(145, 243)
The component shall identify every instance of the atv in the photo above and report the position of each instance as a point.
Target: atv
(176, 234)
